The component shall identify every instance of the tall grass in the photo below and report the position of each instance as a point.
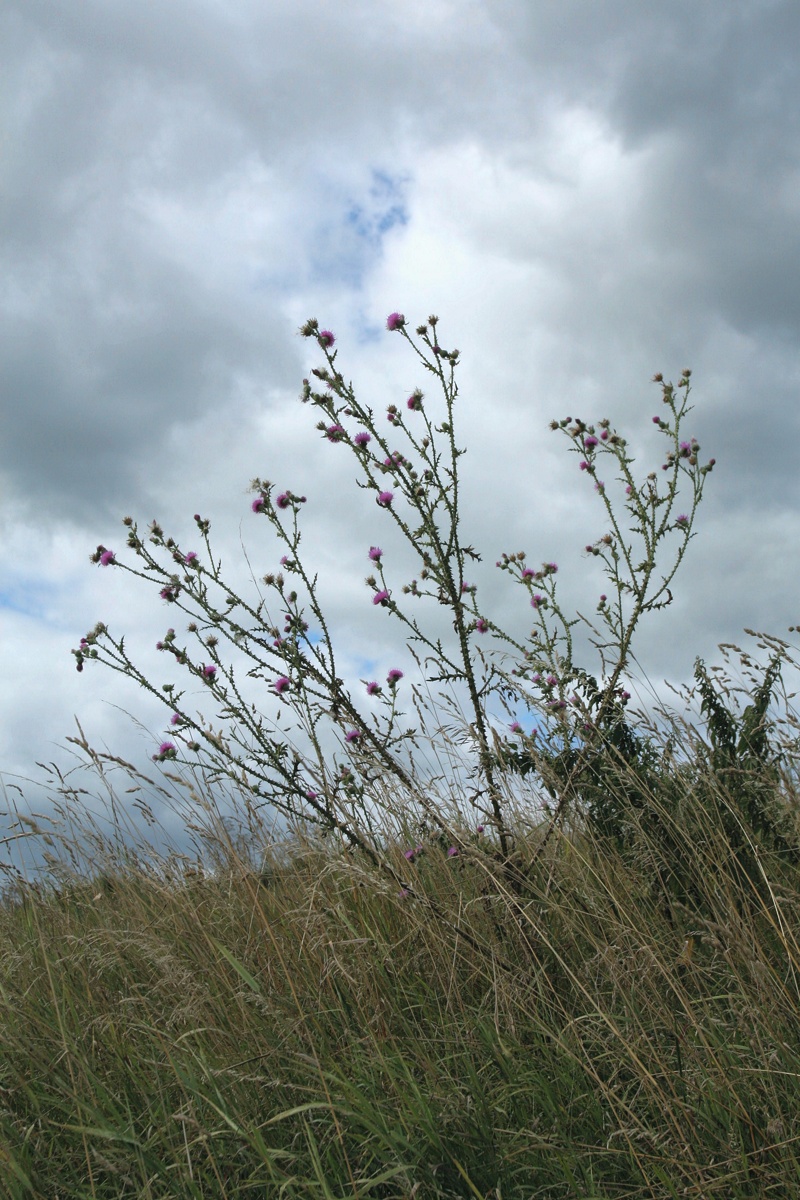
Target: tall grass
(283, 1021)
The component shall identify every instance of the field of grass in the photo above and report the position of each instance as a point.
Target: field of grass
(626, 1023)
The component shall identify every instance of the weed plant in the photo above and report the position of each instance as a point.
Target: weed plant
(562, 962)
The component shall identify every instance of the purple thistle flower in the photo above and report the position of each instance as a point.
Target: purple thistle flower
(515, 727)
(169, 593)
(107, 558)
(394, 676)
(481, 625)
(414, 401)
(352, 735)
(452, 852)
(362, 438)
(380, 597)
(590, 442)
(604, 435)
(177, 719)
(373, 688)
(375, 553)
(685, 449)
(551, 680)
(326, 338)
(394, 321)
(258, 504)
(284, 500)
(527, 573)
(479, 828)
(334, 433)
(385, 499)
(551, 567)
(281, 685)
(656, 420)
(584, 466)
(166, 750)
(311, 795)
(536, 600)
(682, 519)
(190, 558)
(209, 671)
(409, 854)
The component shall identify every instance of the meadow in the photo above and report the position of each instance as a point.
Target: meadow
(564, 965)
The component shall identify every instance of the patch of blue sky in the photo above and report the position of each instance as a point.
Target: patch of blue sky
(28, 598)
(347, 245)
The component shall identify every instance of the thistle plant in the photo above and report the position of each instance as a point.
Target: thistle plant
(351, 752)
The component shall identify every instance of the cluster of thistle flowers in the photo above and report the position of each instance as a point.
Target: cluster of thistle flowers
(629, 568)
(188, 587)
(425, 479)
(424, 484)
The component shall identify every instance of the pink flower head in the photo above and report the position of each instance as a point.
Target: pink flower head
(395, 321)
(281, 685)
(334, 433)
(209, 671)
(107, 558)
(584, 466)
(352, 735)
(284, 500)
(380, 597)
(166, 750)
(682, 519)
(375, 553)
(326, 338)
(385, 499)
(551, 680)
(190, 558)
(515, 727)
(590, 442)
(258, 504)
(452, 852)
(479, 828)
(536, 600)
(394, 676)
(409, 854)
(177, 719)
(481, 625)
(527, 573)
(414, 401)
(685, 449)
(362, 438)
(373, 688)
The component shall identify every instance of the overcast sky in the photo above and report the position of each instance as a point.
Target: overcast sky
(584, 193)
